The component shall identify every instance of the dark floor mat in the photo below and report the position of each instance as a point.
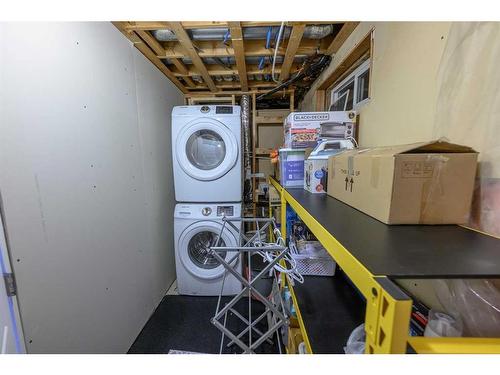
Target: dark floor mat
(183, 323)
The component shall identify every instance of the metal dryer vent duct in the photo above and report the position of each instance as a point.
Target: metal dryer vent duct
(249, 33)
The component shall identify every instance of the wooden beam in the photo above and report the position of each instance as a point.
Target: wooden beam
(208, 24)
(185, 40)
(341, 37)
(184, 72)
(231, 85)
(252, 48)
(158, 25)
(278, 23)
(320, 100)
(203, 24)
(220, 99)
(150, 55)
(239, 52)
(146, 51)
(189, 81)
(146, 25)
(151, 42)
(233, 92)
(359, 50)
(216, 70)
(183, 69)
(291, 49)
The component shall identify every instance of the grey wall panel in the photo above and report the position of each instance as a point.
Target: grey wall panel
(154, 100)
(86, 183)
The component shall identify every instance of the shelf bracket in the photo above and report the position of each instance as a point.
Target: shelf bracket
(387, 319)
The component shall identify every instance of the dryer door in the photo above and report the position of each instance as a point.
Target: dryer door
(194, 249)
(206, 149)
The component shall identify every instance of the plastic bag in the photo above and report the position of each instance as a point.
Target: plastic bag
(443, 325)
(356, 341)
(476, 302)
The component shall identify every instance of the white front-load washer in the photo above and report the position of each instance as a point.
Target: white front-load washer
(197, 227)
(206, 147)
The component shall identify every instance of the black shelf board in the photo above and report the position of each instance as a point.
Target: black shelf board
(404, 251)
(331, 308)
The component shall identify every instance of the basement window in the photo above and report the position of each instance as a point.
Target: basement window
(353, 90)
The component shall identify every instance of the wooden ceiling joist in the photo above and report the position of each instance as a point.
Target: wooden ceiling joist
(341, 37)
(216, 70)
(236, 92)
(239, 52)
(252, 48)
(158, 25)
(361, 49)
(149, 54)
(202, 75)
(160, 51)
(230, 85)
(151, 42)
(184, 72)
(190, 50)
(291, 49)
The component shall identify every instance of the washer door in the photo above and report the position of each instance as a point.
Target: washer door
(194, 249)
(206, 149)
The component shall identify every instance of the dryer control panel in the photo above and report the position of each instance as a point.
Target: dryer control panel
(207, 110)
(207, 210)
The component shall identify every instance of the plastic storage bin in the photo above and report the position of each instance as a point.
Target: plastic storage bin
(292, 167)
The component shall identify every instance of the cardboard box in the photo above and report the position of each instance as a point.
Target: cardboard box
(316, 165)
(316, 175)
(304, 129)
(274, 196)
(421, 183)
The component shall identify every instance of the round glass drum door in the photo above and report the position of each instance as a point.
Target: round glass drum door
(199, 249)
(205, 149)
(194, 249)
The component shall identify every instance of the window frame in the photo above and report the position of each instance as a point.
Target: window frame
(353, 76)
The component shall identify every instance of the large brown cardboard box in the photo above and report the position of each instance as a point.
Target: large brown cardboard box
(420, 183)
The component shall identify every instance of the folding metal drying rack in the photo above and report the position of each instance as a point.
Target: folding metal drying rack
(274, 307)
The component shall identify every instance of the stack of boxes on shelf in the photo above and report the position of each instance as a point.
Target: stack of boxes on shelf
(309, 139)
(420, 183)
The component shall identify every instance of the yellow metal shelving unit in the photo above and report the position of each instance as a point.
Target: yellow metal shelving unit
(388, 309)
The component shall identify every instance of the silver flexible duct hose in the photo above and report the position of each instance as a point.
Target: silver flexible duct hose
(249, 33)
(245, 123)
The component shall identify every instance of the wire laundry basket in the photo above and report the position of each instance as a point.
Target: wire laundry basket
(311, 265)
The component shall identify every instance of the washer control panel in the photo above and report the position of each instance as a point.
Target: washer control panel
(207, 211)
(225, 210)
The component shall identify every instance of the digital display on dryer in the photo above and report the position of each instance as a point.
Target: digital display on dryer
(225, 211)
(224, 110)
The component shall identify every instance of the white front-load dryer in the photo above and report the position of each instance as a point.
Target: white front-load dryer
(197, 227)
(206, 147)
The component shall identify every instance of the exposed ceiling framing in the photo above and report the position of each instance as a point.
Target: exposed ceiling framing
(232, 61)
(239, 53)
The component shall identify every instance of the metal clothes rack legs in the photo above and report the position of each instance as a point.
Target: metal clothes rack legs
(273, 306)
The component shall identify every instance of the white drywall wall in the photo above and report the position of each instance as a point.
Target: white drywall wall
(86, 180)
(403, 85)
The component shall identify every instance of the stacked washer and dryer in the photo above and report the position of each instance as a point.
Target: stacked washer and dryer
(206, 146)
